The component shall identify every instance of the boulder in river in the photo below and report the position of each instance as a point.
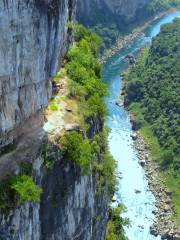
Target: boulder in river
(142, 163)
(134, 136)
(137, 191)
(119, 104)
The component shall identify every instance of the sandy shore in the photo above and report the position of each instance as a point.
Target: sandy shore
(137, 32)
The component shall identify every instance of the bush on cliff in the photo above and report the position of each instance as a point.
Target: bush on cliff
(26, 189)
(89, 91)
(84, 70)
(115, 230)
(78, 150)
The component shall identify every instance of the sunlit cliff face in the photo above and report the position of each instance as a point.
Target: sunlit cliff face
(34, 38)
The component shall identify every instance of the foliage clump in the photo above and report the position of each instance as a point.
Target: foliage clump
(21, 187)
(78, 150)
(26, 189)
(88, 148)
(84, 70)
(115, 228)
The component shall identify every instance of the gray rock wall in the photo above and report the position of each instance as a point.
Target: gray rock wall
(70, 207)
(34, 37)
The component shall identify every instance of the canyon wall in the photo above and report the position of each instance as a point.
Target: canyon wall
(106, 12)
(70, 208)
(34, 37)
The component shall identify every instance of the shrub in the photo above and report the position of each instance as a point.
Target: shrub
(26, 189)
(83, 33)
(76, 90)
(167, 158)
(107, 172)
(115, 229)
(78, 150)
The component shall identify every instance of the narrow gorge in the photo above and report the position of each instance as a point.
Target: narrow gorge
(71, 165)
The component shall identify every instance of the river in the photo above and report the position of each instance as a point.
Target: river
(139, 206)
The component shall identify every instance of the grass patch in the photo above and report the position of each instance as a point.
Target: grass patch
(54, 104)
(72, 111)
(155, 149)
(60, 76)
(53, 107)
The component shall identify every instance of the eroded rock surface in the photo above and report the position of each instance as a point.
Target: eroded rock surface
(34, 37)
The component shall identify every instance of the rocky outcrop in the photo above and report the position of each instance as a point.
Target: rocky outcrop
(33, 41)
(119, 12)
(34, 37)
(70, 207)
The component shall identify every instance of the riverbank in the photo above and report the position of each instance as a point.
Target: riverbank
(164, 224)
(137, 32)
(144, 215)
(159, 158)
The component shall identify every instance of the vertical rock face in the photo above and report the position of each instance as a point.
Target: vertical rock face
(71, 208)
(33, 39)
(92, 12)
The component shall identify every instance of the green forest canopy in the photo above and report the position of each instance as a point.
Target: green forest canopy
(155, 84)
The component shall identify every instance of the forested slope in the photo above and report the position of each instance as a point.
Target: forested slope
(153, 95)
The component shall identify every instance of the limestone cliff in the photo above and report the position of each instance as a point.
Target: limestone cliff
(119, 12)
(70, 208)
(34, 37)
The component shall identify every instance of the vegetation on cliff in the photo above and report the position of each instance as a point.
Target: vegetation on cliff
(26, 189)
(115, 230)
(152, 94)
(88, 147)
(19, 188)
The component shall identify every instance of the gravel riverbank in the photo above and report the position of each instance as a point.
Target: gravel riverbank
(163, 225)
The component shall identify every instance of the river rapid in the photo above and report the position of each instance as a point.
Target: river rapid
(139, 205)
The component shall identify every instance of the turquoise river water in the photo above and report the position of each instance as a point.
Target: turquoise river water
(139, 206)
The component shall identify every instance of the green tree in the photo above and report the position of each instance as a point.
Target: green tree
(78, 150)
